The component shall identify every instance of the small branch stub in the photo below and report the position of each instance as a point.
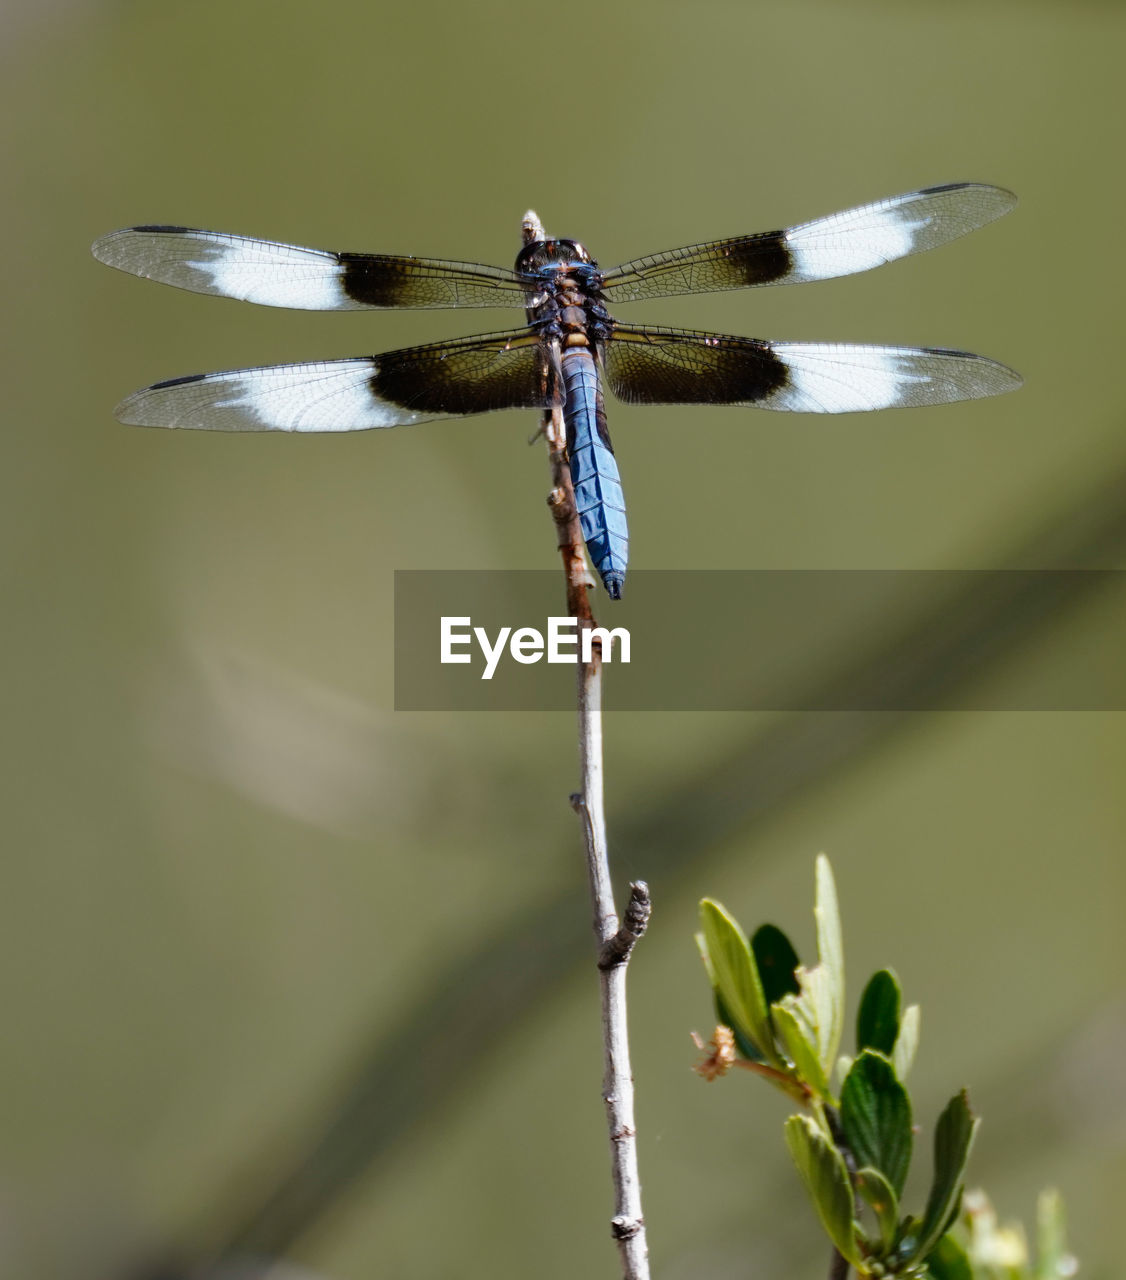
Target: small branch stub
(625, 1228)
(634, 923)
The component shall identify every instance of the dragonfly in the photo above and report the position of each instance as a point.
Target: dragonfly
(570, 344)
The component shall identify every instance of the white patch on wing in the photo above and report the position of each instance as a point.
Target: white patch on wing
(842, 378)
(866, 237)
(830, 378)
(262, 271)
(322, 398)
(857, 240)
(274, 275)
(331, 395)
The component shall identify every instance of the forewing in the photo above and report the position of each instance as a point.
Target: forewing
(838, 245)
(287, 275)
(682, 366)
(416, 384)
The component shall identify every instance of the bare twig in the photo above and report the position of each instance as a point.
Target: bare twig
(627, 1224)
(615, 943)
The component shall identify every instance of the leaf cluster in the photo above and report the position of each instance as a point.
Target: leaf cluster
(852, 1151)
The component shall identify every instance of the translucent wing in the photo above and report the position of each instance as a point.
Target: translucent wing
(838, 245)
(287, 275)
(682, 366)
(416, 384)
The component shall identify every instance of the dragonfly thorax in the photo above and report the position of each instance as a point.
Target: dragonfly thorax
(564, 300)
(548, 257)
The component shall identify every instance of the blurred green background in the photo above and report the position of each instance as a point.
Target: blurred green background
(287, 973)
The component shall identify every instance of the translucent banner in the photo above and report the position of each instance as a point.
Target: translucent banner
(769, 640)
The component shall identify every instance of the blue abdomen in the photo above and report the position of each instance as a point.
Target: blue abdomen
(594, 471)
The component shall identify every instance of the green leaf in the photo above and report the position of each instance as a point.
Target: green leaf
(777, 963)
(876, 1118)
(722, 1013)
(814, 1012)
(949, 1261)
(830, 951)
(822, 1169)
(880, 1197)
(877, 1019)
(735, 978)
(817, 1007)
(953, 1137)
(955, 1212)
(801, 1051)
(906, 1043)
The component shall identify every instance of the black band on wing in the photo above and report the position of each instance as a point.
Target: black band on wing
(376, 280)
(681, 366)
(470, 375)
(704, 268)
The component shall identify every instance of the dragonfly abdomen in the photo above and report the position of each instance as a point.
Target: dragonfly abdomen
(599, 501)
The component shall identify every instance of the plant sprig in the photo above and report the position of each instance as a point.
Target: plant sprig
(784, 1022)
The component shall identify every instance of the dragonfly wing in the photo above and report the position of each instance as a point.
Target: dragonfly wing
(682, 366)
(399, 388)
(287, 275)
(838, 245)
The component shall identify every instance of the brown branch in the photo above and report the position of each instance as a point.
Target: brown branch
(627, 1226)
(568, 531)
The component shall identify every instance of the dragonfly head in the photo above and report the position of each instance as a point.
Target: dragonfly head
(548, 256)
